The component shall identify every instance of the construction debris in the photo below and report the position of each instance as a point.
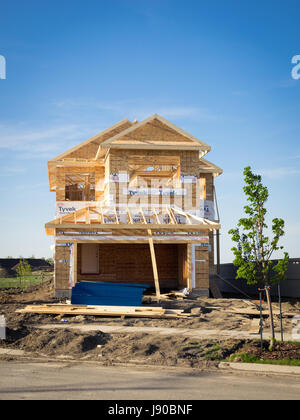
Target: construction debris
(253, 312)
(173, 294)
(110, 311)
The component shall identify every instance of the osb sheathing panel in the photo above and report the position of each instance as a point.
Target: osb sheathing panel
(62, 267)
(182, 266)
(60, 184)
(119, 160)
(132, 264)
(189, 160)
(89, 150)
(99, 182)
(212, 253)
(209, 181)
(154, 132)
(202, 268)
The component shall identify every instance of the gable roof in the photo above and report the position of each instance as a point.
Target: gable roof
(155, 132)
(97, 139)
(209, 167)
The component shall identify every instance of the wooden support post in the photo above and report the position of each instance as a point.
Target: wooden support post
(154, 265)
(189, 267)
(74, 263)
(218, 250)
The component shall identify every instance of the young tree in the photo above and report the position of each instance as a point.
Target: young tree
(50, 261)
(23, 269)
(254, 249)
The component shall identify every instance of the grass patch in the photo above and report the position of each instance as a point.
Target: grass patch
(15, 282)
(214, 353)
(246, 358)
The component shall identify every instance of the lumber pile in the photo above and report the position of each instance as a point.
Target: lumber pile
(253, 312)
(109, 311)
(172, 295)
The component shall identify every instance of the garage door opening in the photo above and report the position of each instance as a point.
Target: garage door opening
(131, 263)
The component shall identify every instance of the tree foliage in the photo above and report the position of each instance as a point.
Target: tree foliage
(23, 269)
(254, 249)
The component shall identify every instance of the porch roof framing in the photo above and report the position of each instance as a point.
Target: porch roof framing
(116, 217)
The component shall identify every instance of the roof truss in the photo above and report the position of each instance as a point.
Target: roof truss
(126, 218)
(198, 144)
(90, 140)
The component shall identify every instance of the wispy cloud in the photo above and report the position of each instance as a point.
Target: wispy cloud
(278, 173)
(294, 157)
(29, 143)
(136, 109)
(85, 118)
(11, 171)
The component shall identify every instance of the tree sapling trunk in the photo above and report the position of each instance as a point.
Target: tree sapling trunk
(271, 318)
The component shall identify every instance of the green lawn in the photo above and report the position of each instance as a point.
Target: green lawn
(246, 358)
(22, 283)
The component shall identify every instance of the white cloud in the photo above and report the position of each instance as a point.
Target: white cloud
(177, 112)
(278, 173)
(87, 118)
(11, 171)
(28, 143)
(135, 109)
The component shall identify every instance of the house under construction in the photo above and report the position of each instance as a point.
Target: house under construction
(135, 204)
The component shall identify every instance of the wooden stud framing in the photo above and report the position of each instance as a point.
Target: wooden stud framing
(83, 218)
(154, 265)
(75, 263)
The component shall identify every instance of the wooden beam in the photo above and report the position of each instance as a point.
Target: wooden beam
(75, 263)
(98, 152)
(155, 160)
(156, 215)
(128, 311)
(75, 163)
(143, 216)
(129, 215)
(87, 215)
(189, 267)
(112, 226)
(173, 146)
(154, 265)
(172, 218)
(116, 216)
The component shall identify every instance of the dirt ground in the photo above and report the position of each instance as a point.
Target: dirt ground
(129, 348)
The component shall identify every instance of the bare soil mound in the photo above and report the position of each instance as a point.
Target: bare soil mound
(139, 348)
(40, 292)
(53, 342)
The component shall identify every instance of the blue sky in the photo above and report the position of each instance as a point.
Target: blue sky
(221, 70)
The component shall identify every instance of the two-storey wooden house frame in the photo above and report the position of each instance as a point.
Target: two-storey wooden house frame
(135, 204)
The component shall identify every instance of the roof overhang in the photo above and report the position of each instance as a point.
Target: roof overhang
(209, 167)
(195, 143)
(124, 219)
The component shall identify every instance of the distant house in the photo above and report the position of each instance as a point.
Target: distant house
(135, 204)
(8, 266)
